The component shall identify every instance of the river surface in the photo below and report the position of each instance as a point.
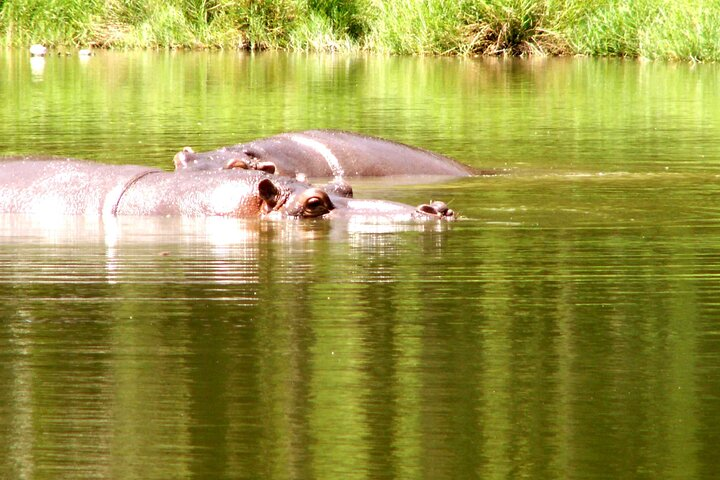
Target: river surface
(567, 327)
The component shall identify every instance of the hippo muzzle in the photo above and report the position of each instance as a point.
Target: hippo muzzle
(394, 211)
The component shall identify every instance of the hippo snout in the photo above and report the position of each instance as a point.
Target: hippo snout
(381, 210)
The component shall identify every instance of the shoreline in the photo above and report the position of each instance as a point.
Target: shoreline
(681, 30)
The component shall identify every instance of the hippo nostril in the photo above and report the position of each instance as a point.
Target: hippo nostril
(437, 209)
(428, 209)
(440, 207)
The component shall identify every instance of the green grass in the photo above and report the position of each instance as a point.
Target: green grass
(669, 29)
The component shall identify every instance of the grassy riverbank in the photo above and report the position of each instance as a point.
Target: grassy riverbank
(671, 29)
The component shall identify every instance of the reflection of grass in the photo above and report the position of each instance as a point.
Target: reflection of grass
(511, 27)
(680, 29)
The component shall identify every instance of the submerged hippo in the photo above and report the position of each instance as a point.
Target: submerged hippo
(75, 187)
(325, 153)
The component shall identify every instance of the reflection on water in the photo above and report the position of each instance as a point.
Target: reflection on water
(583, 114)
(37, 67)
(565, 328)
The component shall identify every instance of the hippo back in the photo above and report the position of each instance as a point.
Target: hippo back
(335, 153)
(63, 187)
(327, 153)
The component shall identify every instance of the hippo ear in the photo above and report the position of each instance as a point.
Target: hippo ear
(181, 158)
(269, 194)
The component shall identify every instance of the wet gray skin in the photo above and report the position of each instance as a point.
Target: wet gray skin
(75, 187)
(326, 153)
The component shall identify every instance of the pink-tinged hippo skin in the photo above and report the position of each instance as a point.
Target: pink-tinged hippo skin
(327, 153)
(76, 187)
(64, 187)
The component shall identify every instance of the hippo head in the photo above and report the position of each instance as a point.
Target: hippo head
(294, 199)
(222, 159)
(242, 191)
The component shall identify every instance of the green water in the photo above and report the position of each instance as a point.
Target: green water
(568, 327)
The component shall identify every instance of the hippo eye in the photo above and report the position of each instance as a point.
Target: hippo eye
(251, 153)
(315, 206)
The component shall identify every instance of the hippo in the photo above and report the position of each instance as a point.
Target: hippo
(326, 153)
(78, 187)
